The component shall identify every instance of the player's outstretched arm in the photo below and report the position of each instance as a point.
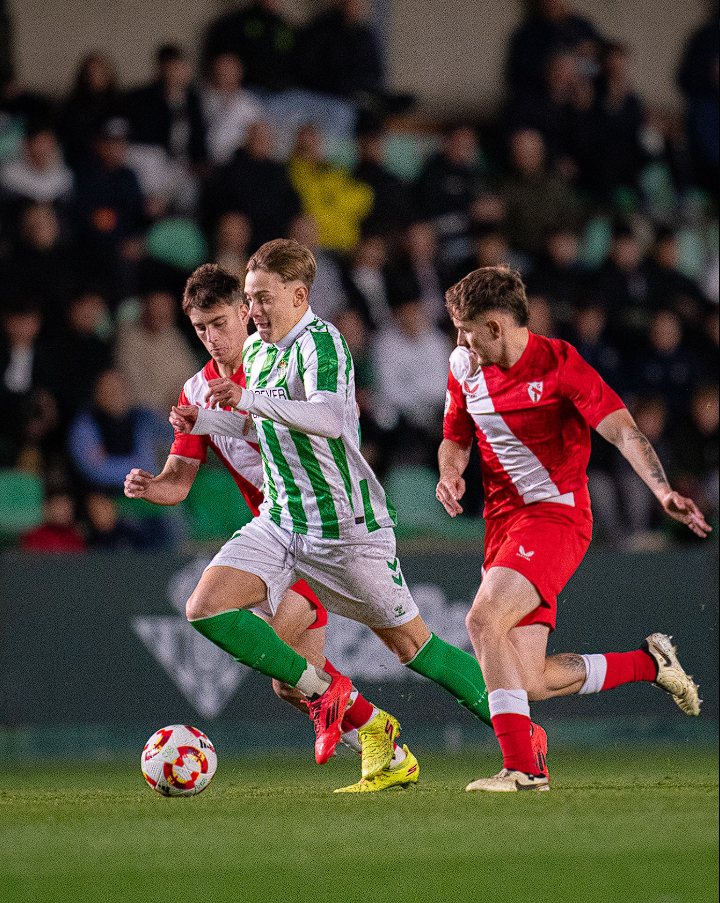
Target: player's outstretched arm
(321, 416)
(620, 429)
(169, 487)
(452, 460)
(189, 418)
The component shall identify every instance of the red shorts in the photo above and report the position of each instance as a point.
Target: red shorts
(545, 542)
(321, 615)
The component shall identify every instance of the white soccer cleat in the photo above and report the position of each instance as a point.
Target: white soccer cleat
(508, 781)
(671, 676)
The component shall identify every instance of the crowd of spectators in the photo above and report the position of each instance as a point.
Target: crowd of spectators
(110, 197)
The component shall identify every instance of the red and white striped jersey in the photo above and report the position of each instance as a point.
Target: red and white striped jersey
(242, 458)
(532, 422)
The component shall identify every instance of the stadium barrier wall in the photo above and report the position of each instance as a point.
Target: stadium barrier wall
(95, 653)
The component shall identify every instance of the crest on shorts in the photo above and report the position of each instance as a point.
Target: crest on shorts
(535, 390)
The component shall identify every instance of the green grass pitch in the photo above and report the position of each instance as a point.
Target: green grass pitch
(636, 825)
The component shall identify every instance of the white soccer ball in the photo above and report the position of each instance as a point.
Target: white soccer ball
(178, 760)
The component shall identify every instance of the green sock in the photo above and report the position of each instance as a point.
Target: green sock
(455, 671)
(253, 642)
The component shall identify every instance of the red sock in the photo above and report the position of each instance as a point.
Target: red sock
(513, 733)
(628, 668)
(330, 669)
(359, 712)
(357, 715)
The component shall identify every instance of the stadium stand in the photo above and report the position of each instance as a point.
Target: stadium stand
(140, 194)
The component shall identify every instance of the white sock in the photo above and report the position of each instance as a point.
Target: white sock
(595, 671)
(313, 682)
(502, 702)
(350, 739)
(398, 756)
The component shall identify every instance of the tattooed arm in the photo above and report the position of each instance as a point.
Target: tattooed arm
(620, 429)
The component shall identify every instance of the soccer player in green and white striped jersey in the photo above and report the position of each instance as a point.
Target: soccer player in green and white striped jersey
(325, 516)
(316, 483)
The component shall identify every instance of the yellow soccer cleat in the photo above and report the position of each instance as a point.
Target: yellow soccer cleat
(377, 740)
(403, 775)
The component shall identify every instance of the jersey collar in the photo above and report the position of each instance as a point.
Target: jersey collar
(211, 372)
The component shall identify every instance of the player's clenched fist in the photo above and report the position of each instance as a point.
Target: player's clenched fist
(183, 417)
(137, 482)
(223, 393)
(450, 490)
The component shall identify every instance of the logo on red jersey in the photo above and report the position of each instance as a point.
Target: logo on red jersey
(526, 555)
(535, 391)
(468, 390)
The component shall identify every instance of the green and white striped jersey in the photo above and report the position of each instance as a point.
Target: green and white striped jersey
(314, 485)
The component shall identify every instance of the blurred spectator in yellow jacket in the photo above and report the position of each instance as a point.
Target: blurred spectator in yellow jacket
(338, 202)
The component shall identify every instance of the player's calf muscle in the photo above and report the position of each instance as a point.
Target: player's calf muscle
(564, 674)
(405, 641)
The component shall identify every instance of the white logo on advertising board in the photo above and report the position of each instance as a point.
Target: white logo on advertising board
(209, 678)
(206, 676)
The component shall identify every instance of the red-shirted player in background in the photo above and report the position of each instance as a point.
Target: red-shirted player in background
(531, 402)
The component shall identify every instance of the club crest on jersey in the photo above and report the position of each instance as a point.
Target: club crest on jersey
(535, 391)
(282, 367)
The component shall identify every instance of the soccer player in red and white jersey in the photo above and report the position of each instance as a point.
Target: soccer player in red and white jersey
(531, 402)
(221, 323)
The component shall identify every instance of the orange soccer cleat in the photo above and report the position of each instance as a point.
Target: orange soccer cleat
(326, 713)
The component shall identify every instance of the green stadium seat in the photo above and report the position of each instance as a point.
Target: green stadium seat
(21, 502)
(177, 242)
(625, 199)
(215, 506)
(656, 185)
(340, 151)
(712, 235)
(412, 492)
(405, 154)
(597, 241)
(692, 252)
(11, 138)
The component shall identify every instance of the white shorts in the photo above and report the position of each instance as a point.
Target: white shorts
(357, 576)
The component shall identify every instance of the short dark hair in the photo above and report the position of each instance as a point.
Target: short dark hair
(168, 53)
(487, 289)
(287, 258)
(209, 285)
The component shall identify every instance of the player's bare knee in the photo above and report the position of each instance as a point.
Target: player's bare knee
(195, 607)
(283, 690)
(480, 625)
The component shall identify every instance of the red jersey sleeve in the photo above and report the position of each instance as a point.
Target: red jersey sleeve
(586, 389)
(458, 425)
(189, 446)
